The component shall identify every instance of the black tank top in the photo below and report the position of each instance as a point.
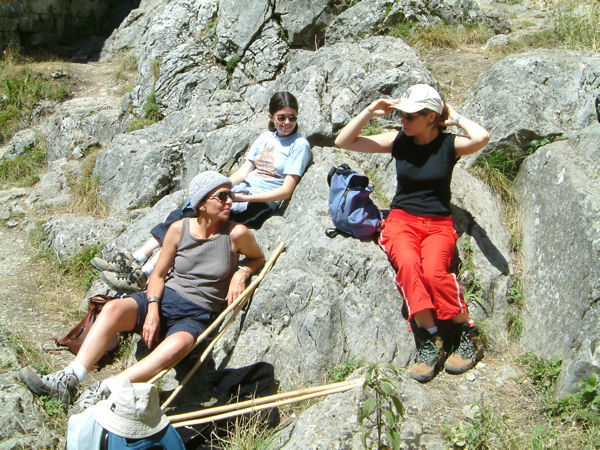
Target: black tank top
(423, 174)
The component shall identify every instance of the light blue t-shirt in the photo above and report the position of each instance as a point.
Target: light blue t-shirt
(274, 158)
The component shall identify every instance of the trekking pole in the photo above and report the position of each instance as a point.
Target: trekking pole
(274, 401)
(235, 306)
(264, 400)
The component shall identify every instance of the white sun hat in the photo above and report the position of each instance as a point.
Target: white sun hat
(132, 410)
(419, 97)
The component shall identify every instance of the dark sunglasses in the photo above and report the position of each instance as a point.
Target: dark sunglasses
(282, 117)
(223, 195)
(409, 117)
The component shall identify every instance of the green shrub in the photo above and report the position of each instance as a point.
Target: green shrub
(485, 430)
(371, 129)
(384, 411)
(232, 63)
(441, 35)
(152, 108)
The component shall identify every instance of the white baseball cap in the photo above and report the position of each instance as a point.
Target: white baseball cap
(419, 97)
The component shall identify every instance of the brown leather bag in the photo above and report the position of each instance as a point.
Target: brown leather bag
(74, 338)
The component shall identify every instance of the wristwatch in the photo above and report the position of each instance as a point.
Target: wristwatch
(154, 299)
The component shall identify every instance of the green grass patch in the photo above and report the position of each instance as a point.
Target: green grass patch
(127, 64)
(485, 430)
(472, 290)
(152, 108)
(152, 114)
(371, 129)
(341, 371)
(24, 169)
(75, 269)
(29, 353)
(580, 409)
(440, 35)
(232, 63)
(20, 90)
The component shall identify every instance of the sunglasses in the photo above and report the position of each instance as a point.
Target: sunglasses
(281, 118)
(223, 196)
(409, 117)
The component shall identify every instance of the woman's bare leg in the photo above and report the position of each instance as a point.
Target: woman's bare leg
(116, 316)
(165, 355)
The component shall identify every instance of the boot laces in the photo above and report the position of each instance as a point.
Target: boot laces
(427, 352)
(466, 347)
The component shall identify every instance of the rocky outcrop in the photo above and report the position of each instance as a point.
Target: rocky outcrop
(534, 95)
(559, 189)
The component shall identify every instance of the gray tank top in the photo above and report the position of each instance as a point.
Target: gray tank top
(203, 268)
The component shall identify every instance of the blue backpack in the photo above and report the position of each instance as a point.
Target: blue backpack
(352, 211)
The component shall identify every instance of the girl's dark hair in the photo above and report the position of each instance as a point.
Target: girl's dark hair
(279, 101)
(439, 118)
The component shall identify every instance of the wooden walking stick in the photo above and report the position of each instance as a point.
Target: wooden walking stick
(236, 306)
(284, 399)
(264, 400)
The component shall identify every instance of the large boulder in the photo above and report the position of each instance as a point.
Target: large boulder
(535, 94)
(559, 191)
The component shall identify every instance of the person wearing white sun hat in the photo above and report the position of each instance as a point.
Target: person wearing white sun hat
(418, 235)
(130, 417)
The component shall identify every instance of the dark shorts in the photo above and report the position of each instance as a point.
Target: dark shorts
(176, 314)
(254, 216)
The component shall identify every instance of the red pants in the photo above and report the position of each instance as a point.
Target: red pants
(421, 249)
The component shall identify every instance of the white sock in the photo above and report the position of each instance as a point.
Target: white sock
(149, 266)
(140, 256)
(78, 369)
(432, 330)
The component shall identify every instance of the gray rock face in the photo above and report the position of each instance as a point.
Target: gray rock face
(19, 144)
(560, 252)
(138, 168)
(335, 82)
(81, 121)
(543, 92)
(239, 22)
(367, 16)
(320, 301)
(68, 234)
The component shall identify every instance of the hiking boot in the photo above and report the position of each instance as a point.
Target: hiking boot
(62, 384)
(127, 281)
(430, 354)
(119, 262)
(92, 395)
(468, 352)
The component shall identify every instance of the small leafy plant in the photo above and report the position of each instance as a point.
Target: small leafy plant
(343, 370)
(385, 410)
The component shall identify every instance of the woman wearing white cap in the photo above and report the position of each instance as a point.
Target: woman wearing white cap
(418, 236)
(204, 252)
